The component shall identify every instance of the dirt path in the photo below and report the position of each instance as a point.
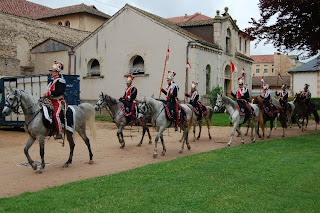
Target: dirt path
(108, 157)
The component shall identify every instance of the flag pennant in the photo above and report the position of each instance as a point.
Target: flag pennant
(233, 67)
(188, 65)
(168, 54)
(280, 77)
(262, 82)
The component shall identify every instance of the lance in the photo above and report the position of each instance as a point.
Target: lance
(164, 68)
(186, 82)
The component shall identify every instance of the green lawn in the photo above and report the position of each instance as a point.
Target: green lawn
(270, 176)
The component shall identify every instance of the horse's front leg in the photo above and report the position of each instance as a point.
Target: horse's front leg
(143, 133)
(41, 144)
(120, 137)
(233, 131)
(164, 150)
(184, 140)
(155, 153)
(71, 146)
(26, 152)
(271, 126)
(252, 125)
(208, 125)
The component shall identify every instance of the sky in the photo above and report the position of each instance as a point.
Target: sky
(240, 10)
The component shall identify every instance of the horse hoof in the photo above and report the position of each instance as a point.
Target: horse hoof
(198, 138)
(283, 136)
(163, 153)
(229, 144)
(91, 161)
(139, 145)
(210, 138)
(189, 147)
(34, 166)
(155, 155)
(39, 171)
(242, 142)
(268, 136)
(150, 142)
(65, 165)
(180, 151)
(122, 146)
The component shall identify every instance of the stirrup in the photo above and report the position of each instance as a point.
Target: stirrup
(58, 136)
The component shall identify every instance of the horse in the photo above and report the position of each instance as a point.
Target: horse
(235, 118)
(115, 110)
(302, 112)
(208, 119)
(156, 109)
(34, 126)
(289, 111)
(266, 117)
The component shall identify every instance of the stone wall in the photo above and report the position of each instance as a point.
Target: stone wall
(14, 28)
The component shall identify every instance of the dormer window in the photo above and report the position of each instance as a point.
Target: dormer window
(60, 23)
(67, 23)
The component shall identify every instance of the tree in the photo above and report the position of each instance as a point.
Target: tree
(297, 25)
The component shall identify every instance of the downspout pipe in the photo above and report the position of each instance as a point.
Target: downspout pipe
(187, 58)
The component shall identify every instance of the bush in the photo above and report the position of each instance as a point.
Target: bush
(213, 94)
(316, 101)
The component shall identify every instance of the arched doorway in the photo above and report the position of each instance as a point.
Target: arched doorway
(208, 74)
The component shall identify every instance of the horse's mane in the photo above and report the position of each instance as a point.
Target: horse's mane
(229, 101)
(112, 100)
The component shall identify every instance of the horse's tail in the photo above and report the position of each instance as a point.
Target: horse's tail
(191, 119)
(90, 113)
(316, 116)
(210, 111)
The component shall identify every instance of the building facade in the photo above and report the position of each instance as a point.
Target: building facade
(135, 41)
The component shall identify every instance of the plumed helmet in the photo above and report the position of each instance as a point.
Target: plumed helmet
(129, 78)
(194, 84)
(57, 66)
(240, 81)
(284, 86)
(171, 75)
(306, 86)
(266, 87)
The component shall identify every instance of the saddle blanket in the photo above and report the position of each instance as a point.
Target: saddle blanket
(71, 115)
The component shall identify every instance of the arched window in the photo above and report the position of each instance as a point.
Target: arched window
(208, 74)
(240, 41)
(93, 68)
(67, 23)
(60, 23)
(227, 80)
(228, 40)
(137, 65)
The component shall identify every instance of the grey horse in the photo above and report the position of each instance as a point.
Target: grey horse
(114, 108)
(235, 118)
(35, 128)
(156, 109)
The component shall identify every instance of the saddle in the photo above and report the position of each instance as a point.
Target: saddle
(182, 115)
(270, 109)
(130, 110)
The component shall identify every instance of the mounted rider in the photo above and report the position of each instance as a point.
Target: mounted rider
(195, 100)
(266, 99)
(242, 96)
(55, 92)
(306, 96)
(283, 96)
(129, 96)
(172, 94)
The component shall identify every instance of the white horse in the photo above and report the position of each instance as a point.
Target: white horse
(235, 118)
(34, 126)
(157, 111)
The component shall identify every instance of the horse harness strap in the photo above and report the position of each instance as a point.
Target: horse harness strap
(155, 120)
(35, 114)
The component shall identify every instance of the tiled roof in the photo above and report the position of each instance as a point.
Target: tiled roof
(271, 80)
(173, 26)
(80, 8)
(262, 58)
(23, 8)
(194, 17)
(310, 66)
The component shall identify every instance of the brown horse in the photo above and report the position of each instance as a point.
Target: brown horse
(266, 117)
(302, 112)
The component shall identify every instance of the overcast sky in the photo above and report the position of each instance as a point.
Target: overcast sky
(241, 10)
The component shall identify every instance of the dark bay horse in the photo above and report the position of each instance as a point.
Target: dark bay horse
(208, 119)
(115, 110)
(271, 118)
(302, 112)
(33, 113)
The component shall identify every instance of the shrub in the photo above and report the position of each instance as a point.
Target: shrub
(213, 94)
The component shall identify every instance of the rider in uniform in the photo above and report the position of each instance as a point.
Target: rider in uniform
(266, 98)
(283, 96)
(172, 94)
(195, 99)
(242, 96)
(306, 95)
(130, 95)
(55, 92)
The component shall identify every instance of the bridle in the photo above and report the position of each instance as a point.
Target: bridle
(14, 108)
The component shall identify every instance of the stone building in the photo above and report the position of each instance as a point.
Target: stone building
(81, 16)
(135, 41)
(20, 35)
